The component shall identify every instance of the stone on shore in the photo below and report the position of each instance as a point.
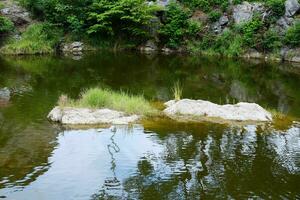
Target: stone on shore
(192, 110)
(85, 116)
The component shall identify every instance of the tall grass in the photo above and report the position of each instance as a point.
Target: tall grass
(38, 38)
(177, 91)
(105, 98)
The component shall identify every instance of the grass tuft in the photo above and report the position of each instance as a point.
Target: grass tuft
(105, 98)
(177, 91)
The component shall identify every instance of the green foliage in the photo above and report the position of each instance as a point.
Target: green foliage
(70, 15)
(178, 27)
(121, 17)
(271, 41)
(206, 5)
(277, 7)
(5, 25)
(214, 16)
(292, 36)
(250, 31)
(38, 38)
(105, 98)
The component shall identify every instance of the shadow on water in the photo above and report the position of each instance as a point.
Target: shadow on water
(159, 159)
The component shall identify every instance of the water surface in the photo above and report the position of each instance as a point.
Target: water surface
(157, 159)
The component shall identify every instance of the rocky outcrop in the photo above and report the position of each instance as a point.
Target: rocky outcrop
(244, 12)
(291, 55)
(291, 7)
(220, 24)
(18, 15)
(85, 116)
(193, 110)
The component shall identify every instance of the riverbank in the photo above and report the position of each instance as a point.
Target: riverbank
(266, 30)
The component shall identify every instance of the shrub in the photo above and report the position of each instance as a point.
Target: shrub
(271, 41)
(38, 38)
(121, 17)
(277, 7)
(5, 25)
(250, 31)
(214, 16)
(178, 27)
(105, 98)
(292, 36)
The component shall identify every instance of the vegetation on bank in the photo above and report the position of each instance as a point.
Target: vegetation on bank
(105, 98)
(39, 38)
(130, 23)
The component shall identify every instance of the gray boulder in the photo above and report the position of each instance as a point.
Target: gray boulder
(244, 12)
(163, 3)
(18, 15)
(150, 46)
(291, 7)
(220, 24)
(291, 55)
(194, 110)
(74, 48)
(5, 94)
(283, 23)
(85, 116)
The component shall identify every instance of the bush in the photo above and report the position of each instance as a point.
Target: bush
(121, 17)
(277, 7)
(271, 41)
(105, 98)
(250, 31)
(214, 16)
(5, 25)
(38, 38)
(70, 15)
(292, 36)
(178, 27)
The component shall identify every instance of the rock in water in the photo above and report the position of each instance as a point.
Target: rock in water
(85, 116)
(189, 110)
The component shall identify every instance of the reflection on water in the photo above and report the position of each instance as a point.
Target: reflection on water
(157, 159)
(131, 164)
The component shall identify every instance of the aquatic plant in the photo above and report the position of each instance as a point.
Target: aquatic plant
(177, 90)
(106, 98)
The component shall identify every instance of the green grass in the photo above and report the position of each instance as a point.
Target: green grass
(105, 98)
(39, 38)
(177, 91)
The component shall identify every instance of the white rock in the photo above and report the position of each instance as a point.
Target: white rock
(81, 116)
(190, 109)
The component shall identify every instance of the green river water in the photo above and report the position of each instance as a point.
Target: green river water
(158, 159)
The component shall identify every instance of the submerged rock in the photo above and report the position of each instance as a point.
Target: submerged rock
(191, 110)
(85, 116)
